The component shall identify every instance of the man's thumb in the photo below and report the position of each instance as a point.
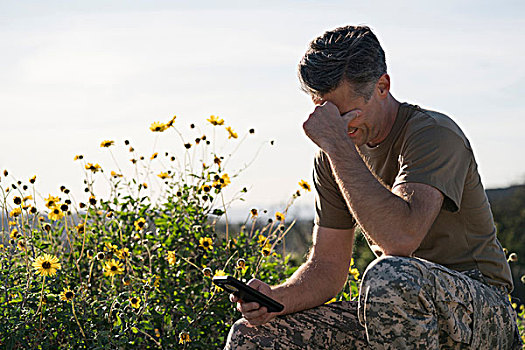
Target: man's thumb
(351, 115)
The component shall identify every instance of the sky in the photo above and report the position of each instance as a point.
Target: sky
(75, 73)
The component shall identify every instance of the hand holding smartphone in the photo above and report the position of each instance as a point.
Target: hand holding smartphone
(247, 293)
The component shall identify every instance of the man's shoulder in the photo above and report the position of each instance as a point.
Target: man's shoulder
(431, 122)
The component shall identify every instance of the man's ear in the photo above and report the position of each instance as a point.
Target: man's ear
(383, 86)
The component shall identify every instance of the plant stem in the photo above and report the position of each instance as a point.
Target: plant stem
(226, 218)
(76, 319)
(41, 297)
(84, 235)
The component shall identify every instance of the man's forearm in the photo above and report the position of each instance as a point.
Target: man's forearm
(311, 285)
(381, 214)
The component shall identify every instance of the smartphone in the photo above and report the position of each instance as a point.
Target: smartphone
(247, 293)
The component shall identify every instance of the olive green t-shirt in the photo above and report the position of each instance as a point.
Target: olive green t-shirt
(428, 147)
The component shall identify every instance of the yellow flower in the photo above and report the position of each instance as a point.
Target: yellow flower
(135, 302)
(206, 188)
(231, 133)
(154, 155)
(267, 249)
(279, 216)
(225, 180)
(33, 179)
(139, 224)
(107, 143)
(261, 240)
(172, 258)
(21, 246)
(354, 272)
(81, 228)
(122, 253)
(333, 300)
(55, 214)
(52, 202)
(158, 127)
(78, 156)
(222, 181)
(17, 200)
(113, 267)
(305, 185)
(15, 212)
(46, 265)
(184, 338)
(93, 167)
(170, 123)
(206, 243)
(28, 198)
(67, 294)
(254, 213)
(14, 233)
(164, 175)
(215, 120)
(110, 247)
(217, 273)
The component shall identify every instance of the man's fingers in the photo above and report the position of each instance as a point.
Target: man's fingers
(252, 315)
(247, 307)
(351, 115)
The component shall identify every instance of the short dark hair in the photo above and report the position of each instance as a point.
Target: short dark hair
(350, 53)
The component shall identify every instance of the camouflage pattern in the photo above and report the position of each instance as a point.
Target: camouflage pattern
(412, 303)
(330, 326)
(405, 303)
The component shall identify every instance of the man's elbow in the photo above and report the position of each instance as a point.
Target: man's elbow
(404, 246)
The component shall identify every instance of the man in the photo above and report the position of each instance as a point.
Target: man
(408, 177)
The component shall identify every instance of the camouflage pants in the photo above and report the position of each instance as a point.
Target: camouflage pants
(405, 303)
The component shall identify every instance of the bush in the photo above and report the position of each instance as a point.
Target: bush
(131, 270)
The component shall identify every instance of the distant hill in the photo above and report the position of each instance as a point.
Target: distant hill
(497, 195)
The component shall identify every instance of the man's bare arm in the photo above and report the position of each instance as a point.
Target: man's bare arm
(318, 280)
(323, 275)
(396, 220)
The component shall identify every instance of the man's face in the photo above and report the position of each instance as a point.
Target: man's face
(367, 126)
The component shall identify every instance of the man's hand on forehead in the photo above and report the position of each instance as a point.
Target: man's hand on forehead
(326, 126)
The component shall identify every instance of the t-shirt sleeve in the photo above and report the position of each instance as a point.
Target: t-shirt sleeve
(439, 157)
(331, 210)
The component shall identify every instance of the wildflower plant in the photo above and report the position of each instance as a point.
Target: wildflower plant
(133, 267)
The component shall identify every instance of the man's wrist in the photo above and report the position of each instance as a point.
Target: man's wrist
(342, 148)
